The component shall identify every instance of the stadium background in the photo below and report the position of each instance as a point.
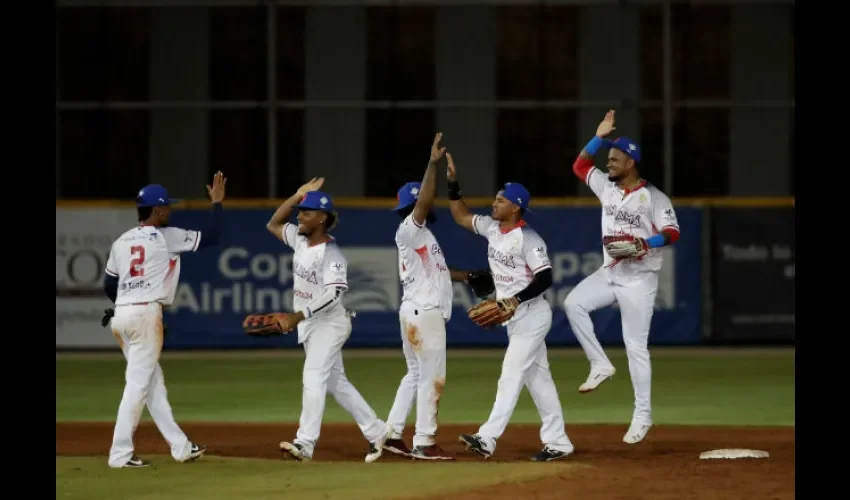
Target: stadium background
(274, 93)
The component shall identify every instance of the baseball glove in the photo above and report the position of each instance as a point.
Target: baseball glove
(625, 246)
(493, 312)
(263, 325)
(481, 282)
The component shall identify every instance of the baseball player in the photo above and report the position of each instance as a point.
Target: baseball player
(141, 276)
(521, 270)
(637, 219)
(425, 309)
(320, 280)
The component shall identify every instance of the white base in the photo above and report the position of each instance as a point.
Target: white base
(733, 453)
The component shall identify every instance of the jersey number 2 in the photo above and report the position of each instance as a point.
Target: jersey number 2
(136, 268)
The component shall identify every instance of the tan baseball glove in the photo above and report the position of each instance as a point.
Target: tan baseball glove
(263, 325)
(492, 312)
(625, 246)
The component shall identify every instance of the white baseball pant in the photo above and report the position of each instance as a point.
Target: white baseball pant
(324, 372)
(636, 298)
(526, 364)
(138, 329)
(423, 337)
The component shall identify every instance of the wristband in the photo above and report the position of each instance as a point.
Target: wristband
(454, 190)
(593, 146)
(655, 241)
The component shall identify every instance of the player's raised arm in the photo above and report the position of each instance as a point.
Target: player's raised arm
(191, 240)
(280, 218)
(583, 165)
(428, 191)
(460, 212)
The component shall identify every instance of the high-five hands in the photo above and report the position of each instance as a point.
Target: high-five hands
(437, 152)
(314, 185)
(606, 126)
(451, 171)
(216, 191)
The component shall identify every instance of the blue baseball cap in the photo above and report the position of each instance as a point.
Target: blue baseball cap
(317, 200)
(516, 194)
(407, 195)
(627, 146)
(154, 195)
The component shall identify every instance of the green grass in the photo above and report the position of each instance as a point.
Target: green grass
(216, 478)
(690, 386)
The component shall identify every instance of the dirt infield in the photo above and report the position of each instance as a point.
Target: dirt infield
(664, 466)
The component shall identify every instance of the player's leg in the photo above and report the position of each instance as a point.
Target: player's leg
(523, 342)
(432, 381)
(375, 430)
(160, 409)
(140, 331)
(405, 395)
(543, 392)
(318, 361)
(637, 304)
(592, 293)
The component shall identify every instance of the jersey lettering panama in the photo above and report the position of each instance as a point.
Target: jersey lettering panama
(146, 261)
(320, 275)
(515, 256)
(642, 212)
(422, 268)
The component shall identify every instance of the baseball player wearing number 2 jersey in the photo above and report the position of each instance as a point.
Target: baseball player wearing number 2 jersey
(320, 280)
(520, 265)
(142, 272)
(637, 219)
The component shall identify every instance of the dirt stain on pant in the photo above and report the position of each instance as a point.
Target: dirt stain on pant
(413, 337)
(439, 387)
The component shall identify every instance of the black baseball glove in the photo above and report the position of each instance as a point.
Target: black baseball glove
(481, 282)
(107, 315)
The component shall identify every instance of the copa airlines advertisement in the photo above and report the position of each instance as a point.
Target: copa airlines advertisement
(251, 271)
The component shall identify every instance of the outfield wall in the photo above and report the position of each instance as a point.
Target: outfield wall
(730, 278)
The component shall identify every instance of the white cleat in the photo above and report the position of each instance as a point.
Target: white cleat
(376, 449)
(637, 431)
(596, 377)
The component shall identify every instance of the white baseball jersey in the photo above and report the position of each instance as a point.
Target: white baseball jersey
(146, 261)
(642, 212)
(515, 256)
(422, 268)
(318, 270)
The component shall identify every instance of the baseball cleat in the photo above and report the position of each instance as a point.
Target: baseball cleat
(475, 443)
(376, 449)
(195, 452)
(432, 452)
(596, 377)
(295, 450)
(637, 431)
(548, 454)
(397, 447)
(136, 463)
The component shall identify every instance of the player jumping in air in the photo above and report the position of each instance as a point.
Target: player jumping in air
(637, 219)
(142, 273)
(320, 280)
(521, 270)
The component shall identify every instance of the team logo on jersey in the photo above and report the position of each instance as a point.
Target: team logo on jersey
(669, 214)
(630, 219)
(501, 257)
(540, 252)
(609, 210)
(435, 249)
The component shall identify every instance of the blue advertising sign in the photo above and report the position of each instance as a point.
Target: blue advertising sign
(251, 271)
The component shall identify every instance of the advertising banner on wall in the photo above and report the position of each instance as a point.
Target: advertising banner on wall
(83, 239)
(251, 271)
(753, 274)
